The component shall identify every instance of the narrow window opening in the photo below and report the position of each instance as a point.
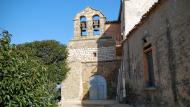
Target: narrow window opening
(83, 26)
(149, 67)
(94, 53)
(96, 25)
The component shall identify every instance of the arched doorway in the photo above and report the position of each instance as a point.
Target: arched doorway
(98, 88)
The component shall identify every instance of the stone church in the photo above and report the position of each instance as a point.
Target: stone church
(93, 58)
(142, 58)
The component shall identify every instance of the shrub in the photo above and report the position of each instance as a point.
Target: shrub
(24, 80)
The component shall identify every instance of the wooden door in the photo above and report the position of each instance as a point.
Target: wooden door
(98, 88)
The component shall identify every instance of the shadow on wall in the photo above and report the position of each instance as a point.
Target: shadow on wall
(103, 78)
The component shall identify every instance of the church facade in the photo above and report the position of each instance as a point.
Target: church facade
(93, 59)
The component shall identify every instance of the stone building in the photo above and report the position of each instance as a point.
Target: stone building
(155, 61)
(93, 58)
(142, 58)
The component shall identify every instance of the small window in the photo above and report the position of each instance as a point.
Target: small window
(94, 53)
(149, 67)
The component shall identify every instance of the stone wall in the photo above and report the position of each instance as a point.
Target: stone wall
(72, 86)
(104, 68)
(84, 64)
(114, 30)
(88, 54)
(91, 55)
(167, 29)
(92, 50)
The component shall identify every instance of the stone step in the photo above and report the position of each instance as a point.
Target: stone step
(92, 103)
(103, 102)
(120, 105)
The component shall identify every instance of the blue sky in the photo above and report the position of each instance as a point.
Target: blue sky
(30, 20)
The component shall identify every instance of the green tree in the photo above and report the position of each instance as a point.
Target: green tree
(52, 54)
(27, 78)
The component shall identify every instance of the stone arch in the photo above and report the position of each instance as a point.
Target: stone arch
(83, 25)
(98, 88)
(83, 18)
(96, 24)
(96, 17)
(88, 12)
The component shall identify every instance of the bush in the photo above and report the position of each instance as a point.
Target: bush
(25, 80)
(52, 54)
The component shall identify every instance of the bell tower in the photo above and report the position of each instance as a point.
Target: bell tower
(89, 23)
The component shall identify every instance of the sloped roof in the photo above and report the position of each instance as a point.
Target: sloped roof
(113, 21)
(88, 8)
(145, 17)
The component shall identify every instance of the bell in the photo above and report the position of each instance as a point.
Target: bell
(83, 25)
(96, 26)
(96, 22)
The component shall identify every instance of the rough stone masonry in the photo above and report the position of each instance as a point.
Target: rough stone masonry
(92, 58)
